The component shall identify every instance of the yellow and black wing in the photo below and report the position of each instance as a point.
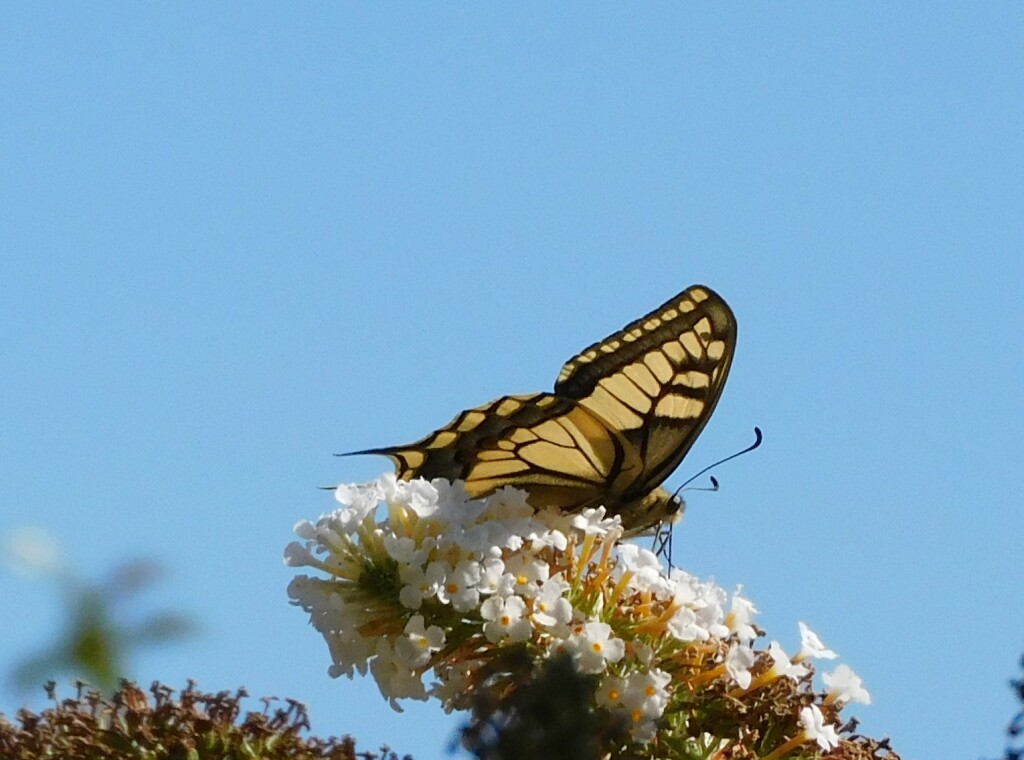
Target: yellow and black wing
(657, 380)
(624, 413)
(548, 445)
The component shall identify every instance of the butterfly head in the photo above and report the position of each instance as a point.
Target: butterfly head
(646, 514)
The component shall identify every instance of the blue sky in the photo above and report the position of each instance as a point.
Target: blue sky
(232, 244)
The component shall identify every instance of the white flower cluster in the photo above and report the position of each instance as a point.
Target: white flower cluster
(442, 582)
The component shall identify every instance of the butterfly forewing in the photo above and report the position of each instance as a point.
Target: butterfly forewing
(623, 415)
(657, 380)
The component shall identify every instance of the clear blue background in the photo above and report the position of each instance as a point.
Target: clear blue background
(233, 243)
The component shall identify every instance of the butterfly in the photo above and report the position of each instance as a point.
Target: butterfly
(624, 413)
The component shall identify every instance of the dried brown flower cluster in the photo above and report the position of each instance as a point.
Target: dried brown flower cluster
(131, 725)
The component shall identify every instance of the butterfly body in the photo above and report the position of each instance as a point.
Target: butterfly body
(624, 413)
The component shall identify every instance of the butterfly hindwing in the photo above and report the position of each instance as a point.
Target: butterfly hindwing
(542, 442)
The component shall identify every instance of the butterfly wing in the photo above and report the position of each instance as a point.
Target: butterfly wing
(548, 445)
(657, 381)
(624, 414)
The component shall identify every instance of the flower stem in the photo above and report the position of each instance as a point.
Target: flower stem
(785, 749)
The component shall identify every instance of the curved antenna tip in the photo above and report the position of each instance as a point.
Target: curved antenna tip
(758, 437)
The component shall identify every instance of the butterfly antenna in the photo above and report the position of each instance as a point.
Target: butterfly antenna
(713, 488)
(758, 438)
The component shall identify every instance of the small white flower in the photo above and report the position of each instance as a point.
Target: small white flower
(738, 663)
(550, 607)
(505, 619)
(683, 626)
(611, 692)
(811, 646)
(644, 731)
(683, 587)
(420, 583)
(595, 647)
(419, 642)
(741, 617)
(334, 536)
(494, 579)
(782, 667)
(418, 495)
(710, 610)
(299, 555)
(647, 693)
(843, 685)
(475, 540)
(698, 614)
(506, 521)
(543, 536)
(349, 655)
(593, 522)
(404, 550)
(452, 687)
(528, 572)
(513, 500)
(422, 497)
(395, 679)
(359, 501)
(815, 728)
(644, 653)
(648, 573)
(641, 696)
(459, 587)
(452, 495)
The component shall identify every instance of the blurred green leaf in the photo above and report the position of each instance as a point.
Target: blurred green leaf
(96, 641)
